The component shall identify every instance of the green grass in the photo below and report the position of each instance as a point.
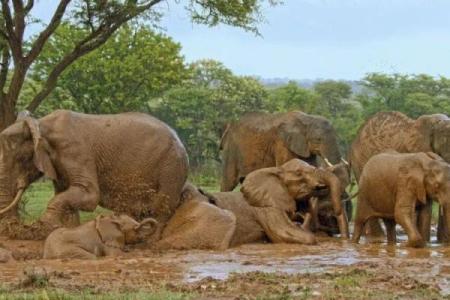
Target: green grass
(50, 294)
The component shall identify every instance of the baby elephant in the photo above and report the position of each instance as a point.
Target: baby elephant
(399, 188)
(104, 236)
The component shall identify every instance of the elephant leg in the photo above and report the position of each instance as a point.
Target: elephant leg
(361, 217)
(374, 232)
(71, 219)
(230, 176)
(80, 253)
(424, 220)
(280, 229)
(443, 230)
(314, 211)
(405, 216)
(390, 230)
(73, 199)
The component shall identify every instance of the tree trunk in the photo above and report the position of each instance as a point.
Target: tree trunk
(7, 112)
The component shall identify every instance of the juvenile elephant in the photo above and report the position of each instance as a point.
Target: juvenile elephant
(104, 236)
(261, 140)
(399, 188)
(129, 163)
(396, 131)
(275, 192)
(211, 221)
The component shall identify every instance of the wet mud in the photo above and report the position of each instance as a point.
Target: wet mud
(141, 268)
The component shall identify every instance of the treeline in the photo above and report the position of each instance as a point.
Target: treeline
(140, 70)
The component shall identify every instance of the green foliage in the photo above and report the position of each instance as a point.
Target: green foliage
(200, 108)
(135, 65)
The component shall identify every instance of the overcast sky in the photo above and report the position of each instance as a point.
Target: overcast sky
(339, 39)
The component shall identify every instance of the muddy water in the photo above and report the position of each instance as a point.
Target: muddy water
(140, 267)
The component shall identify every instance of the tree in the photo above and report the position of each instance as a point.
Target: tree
(99, 20)
(291, 97)
(200, 108)
(332, 95)
(133, 66)
(413, 95)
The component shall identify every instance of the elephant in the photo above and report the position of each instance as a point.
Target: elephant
(396, 131)
(222, 220)
(399, 188)
(104, 236)
(275, 192)
(264, 210)
(262, 140)
(130, 163)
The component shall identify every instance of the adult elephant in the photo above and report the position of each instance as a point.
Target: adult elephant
(396, 131)
(130, 163)
(265, 209)
(262, 140)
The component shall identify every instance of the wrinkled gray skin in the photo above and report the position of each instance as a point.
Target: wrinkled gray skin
(129, 163)
(399, 188)
(104, 236)
(261, 140)
(396, 131)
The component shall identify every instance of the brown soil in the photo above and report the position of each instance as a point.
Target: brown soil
(315, 271)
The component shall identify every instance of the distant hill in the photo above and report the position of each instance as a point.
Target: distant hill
(306, 83)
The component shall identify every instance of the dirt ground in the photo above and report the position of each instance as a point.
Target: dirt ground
(333, 269)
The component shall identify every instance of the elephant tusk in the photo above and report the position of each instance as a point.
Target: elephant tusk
(344, 161)
(14, 203)
(327, 162)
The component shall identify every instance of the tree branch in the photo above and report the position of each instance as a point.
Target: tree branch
(4, 67)
(88, 44)
(19, 20)
(13, 41)
(29, 6)
(36, 48)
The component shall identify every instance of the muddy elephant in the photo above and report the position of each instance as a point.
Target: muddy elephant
(264, 210)
(275, 192)
(320, 207)
(104, 236)
(214, 221)
(129, 163)
(261, 140)
(396, 131)
(398, 188)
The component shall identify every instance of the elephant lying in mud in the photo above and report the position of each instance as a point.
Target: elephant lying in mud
(129, 163)
(104, 236)
(211, 221)
(264, 210)
(399, 188)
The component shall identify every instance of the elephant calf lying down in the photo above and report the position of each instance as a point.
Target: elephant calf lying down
(104, 236)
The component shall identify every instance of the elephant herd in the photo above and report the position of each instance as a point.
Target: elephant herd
(292, 176)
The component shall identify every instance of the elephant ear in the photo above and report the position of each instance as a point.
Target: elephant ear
(293, 134)
(108, 229)
(411, 180)
(264, 188)
(41, 158)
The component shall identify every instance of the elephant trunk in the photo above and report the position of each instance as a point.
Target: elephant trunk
(332, 181)
(331, 153)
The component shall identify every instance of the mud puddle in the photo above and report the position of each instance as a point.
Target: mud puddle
(141, 267)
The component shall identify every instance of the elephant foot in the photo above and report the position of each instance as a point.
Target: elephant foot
(416, 243)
